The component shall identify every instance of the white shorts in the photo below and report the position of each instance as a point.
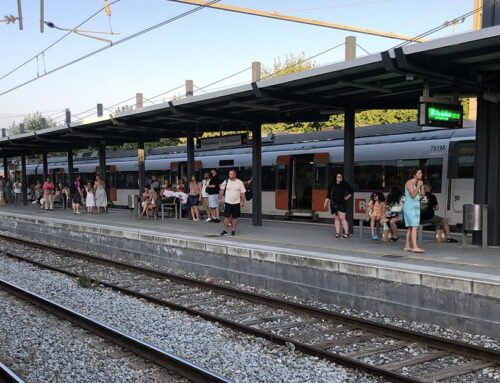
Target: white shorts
(213, 201)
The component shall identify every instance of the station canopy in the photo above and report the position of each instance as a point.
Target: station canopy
(463, 65)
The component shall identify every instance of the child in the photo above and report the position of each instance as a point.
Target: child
(90, 200)
(376, 211)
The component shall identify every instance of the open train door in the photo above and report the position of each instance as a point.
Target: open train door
(320, 186)
(282, 195)
(110, 182)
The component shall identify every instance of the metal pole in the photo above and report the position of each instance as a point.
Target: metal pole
(68, 116)
(42, 16)
(24, 181)
(349, 114)
(5, 168)
(141, 165)
(70, 166)
(45, 163)
(43, 123)
(21, 128)
(102, 163)
(20, 14)
(190, 156)
(257, 174)
(350, 48)
(99, 110)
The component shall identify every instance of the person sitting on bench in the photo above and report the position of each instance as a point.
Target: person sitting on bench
(428, 207)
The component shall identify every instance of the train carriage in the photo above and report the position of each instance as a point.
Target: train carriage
(297, 169)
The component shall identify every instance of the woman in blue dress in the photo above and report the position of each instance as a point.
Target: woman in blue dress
(413, 192)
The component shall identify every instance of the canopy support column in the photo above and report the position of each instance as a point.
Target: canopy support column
(141, 168)
(24, 181)
(70, 166)
(190, 156)
(5, 168)
(487, 167)
(45, 165)
(102, 163)
(257, 174)
(349, 114)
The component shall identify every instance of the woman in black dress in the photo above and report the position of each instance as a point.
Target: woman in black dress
(338, 194)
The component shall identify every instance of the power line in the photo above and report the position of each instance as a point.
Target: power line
(54, 43)
(445, 25)
(121, 41)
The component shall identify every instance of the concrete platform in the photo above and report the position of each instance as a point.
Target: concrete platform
(448, 285)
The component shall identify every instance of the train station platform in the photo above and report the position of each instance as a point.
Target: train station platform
(449, 284)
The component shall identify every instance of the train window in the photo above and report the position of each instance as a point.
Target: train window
(282, 177)
(320, 176)
(433, 172)
(465, 161)
(369, 175)
(268, 178)
(226, 162)
(121, 180)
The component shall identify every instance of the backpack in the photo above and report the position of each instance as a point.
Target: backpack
(248, 194)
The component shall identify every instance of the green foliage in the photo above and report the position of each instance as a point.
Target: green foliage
(86, 281)
(31, 123)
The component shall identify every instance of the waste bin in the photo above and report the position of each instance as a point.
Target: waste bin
(475, 219)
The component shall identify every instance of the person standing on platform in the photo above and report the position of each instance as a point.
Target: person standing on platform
(204, 195)
(2, 191)
(155, 184)
(233, 190)
(338, 194)
(76, 195)
(17, 191)
(411, 210)
(90, 199)
(194, 198)
(101, 200)
(48, 194)
(213, 189)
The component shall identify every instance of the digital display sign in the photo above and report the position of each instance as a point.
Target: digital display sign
(441, 115)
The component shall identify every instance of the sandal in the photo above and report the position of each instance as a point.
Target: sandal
(345, 236)
(337, 236)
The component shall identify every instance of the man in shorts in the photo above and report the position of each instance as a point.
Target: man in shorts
(212, 190)
(428, 207)
(233, 190)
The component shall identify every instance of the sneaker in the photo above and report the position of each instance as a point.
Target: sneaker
(208, 219)
(374, 237)
(451, 240)
(224, 233)
(233, 233)
(216, 220)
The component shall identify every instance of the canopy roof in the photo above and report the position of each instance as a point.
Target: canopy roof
(463, 65)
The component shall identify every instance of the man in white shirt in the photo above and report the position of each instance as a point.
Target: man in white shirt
(233, 190)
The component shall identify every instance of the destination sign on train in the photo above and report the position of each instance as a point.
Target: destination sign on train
(441, 115)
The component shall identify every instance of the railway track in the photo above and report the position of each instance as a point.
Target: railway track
(149, 352)
(7, 376)
(397, 354)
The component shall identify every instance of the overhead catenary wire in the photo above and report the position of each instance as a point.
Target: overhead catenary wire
(446, 24)
(54, 43)
(118, 42)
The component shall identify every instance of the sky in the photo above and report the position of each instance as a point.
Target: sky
(205, 47)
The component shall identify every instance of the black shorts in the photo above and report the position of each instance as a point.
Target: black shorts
(76, 198)
(232, 210)
(336, 207)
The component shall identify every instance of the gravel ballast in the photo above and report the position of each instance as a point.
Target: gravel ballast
(40, 347)
(238, 356)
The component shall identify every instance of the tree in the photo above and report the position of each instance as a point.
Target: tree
(31, 123)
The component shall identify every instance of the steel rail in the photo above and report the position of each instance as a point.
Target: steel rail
(169, 361)
(7, 376)
(383, 329)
